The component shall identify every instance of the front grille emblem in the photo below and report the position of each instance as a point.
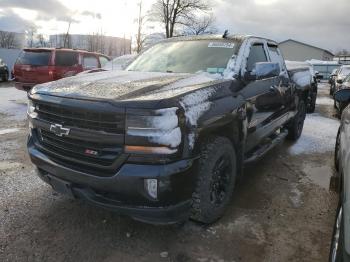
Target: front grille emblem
(59, 130)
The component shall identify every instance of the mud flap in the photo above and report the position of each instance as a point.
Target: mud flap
(61, 186)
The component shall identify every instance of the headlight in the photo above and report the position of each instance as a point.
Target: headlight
(152, 131)
(31, 111)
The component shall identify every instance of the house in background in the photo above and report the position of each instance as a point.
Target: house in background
(297, 51)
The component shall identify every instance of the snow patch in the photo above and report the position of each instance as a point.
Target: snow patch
(195, 105)
(9, 131)
(296, 196)
(318, 136)
(163, 128)
(325, 101)
(302, 79)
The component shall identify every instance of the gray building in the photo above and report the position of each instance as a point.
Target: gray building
(297, 51)
(109, 45)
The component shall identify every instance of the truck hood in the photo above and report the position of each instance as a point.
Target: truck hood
(127, 85)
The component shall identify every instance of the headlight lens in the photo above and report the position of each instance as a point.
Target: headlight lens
(153, 131)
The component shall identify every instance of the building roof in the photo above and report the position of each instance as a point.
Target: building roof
(295, 41)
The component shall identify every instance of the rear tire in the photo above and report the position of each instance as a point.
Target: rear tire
(297, 124)
(312, 106)
(216, 179)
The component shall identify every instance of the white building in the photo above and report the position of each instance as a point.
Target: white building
(297, 51)
(109, 45)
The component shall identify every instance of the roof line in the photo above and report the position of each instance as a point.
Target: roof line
(325, 50)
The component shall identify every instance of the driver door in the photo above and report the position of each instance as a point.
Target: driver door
(262, 96)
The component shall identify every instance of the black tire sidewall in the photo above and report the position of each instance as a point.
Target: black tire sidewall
(296, 126)
(212, 150)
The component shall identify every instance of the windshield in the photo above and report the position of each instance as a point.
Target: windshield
(186, 57)
(34, 58)
(120, 62)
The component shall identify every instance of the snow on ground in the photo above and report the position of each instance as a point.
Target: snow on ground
(327, 101)
(318, 136)
(13, 102)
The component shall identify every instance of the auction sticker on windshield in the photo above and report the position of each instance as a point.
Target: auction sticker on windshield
(221, 45)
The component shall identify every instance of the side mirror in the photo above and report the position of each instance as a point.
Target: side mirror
(340, 81)
(265, 70)
(343, 95)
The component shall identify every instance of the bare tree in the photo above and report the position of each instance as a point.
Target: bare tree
(67, 36)
(8, 40)
(200, 25)
(31, 32)
(140, 37)
(41, 40)
(343, 52)
(174, 12)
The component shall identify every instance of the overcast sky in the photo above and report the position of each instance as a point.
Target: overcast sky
(323, 23)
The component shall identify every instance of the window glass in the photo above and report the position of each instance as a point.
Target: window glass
(64, 58)
(190, 56)
(276, 56)
(35, 58)
(90, 62)
(256, 55)
(103, 61)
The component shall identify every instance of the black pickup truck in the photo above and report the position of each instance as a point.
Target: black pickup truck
(165, 140)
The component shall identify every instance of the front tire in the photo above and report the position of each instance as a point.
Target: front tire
(297, 124)
(216, 179)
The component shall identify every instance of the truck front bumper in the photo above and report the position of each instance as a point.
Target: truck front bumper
(125, 191)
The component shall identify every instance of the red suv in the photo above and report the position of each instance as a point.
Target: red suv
(41, 65)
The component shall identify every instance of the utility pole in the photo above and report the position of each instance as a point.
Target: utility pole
(67, 34)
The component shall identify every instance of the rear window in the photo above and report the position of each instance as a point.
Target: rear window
(90, 62)
(64, 58)
(34, 58)
(103, 61)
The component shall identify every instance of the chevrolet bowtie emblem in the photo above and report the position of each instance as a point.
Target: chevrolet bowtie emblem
(59, 130)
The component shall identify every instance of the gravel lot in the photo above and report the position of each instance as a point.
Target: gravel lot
(282, 209)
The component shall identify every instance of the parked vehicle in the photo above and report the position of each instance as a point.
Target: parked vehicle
(4, 71)
(308, 78)
(343, 84)
(118, 63)
(331, 81)
(343, 72)
(340, 248)
(166, 139)
(41, 65)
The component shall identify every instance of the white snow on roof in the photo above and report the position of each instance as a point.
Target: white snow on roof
(318, 136)
(321, 62)
(302, 79)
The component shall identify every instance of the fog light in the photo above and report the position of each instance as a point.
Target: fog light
(151, 186)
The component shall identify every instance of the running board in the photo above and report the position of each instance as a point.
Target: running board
(262, 150)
